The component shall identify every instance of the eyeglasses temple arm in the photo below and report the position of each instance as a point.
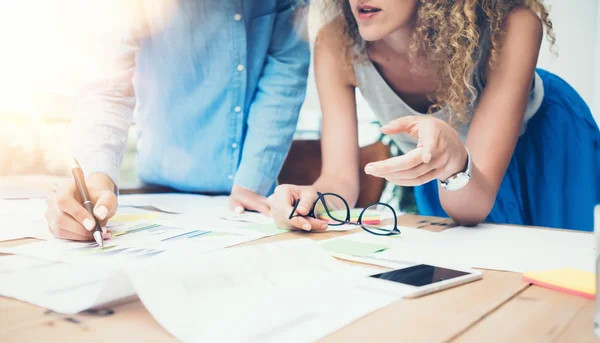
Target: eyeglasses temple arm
(296, 203)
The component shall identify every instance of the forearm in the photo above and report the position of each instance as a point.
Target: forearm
(332, 183)
(495, 127)
(100, 128)
(472, 204)
(103, 113)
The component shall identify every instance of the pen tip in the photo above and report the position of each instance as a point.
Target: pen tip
(98, 238)
(75, 164)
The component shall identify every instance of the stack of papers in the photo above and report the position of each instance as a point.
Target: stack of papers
(49, 273)
(168, 249)
(285, 291)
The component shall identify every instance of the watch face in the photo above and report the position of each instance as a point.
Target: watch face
(457, 182)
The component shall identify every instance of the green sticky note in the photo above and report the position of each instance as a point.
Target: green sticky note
(353, 248)
(270, 229)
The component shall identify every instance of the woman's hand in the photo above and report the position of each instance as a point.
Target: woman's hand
(242, 199)
(439, 154)
(282, 205)
(68, 219)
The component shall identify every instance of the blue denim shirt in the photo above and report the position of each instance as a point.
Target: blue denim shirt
(217, 87)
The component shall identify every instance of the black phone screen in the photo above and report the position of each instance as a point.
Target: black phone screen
(420, 275)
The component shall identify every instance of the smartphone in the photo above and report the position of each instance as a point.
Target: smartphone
(424, 279)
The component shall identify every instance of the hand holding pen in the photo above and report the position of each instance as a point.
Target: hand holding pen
(86, 201)
(68, 218)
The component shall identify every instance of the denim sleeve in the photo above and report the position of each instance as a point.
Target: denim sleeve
(273, 114)
(103, 112)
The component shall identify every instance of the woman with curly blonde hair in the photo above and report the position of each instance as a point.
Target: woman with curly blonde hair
(485, 136)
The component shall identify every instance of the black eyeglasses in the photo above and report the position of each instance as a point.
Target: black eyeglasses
(378, 218)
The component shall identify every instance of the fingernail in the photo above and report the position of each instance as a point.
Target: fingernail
(427, 157)
(385, 127)
(88, 224)
(370, 170)
(101, 212)
(324, 227)
(306, 227)
(239, 210)
(302, 209)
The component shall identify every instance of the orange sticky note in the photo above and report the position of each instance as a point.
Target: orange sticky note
(566, 280)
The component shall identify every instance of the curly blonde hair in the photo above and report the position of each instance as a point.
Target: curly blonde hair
(448, 33)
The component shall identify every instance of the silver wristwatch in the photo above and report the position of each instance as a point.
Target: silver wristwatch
(460, 179)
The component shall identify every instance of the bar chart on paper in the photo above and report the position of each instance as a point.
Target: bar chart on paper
(134, 242)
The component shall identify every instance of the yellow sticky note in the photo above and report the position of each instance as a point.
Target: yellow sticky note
(565, 280)
(131, 217)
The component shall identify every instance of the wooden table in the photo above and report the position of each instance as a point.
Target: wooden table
(499, 308)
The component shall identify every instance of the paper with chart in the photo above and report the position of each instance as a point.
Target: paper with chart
(498, 247)
(26, 218)
(282, 292)
(211, 209)
(137, 242)
(216, 207)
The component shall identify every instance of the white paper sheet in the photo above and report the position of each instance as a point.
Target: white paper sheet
(14, 263)
(498, 247)
(281, 292)
(522, 249)
(61, 287)
(22, 219)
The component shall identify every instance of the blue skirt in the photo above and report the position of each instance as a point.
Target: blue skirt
(553, 178)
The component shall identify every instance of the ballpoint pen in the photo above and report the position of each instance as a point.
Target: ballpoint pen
(87, 202)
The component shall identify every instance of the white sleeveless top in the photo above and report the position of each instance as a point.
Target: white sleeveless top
(387, 105)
